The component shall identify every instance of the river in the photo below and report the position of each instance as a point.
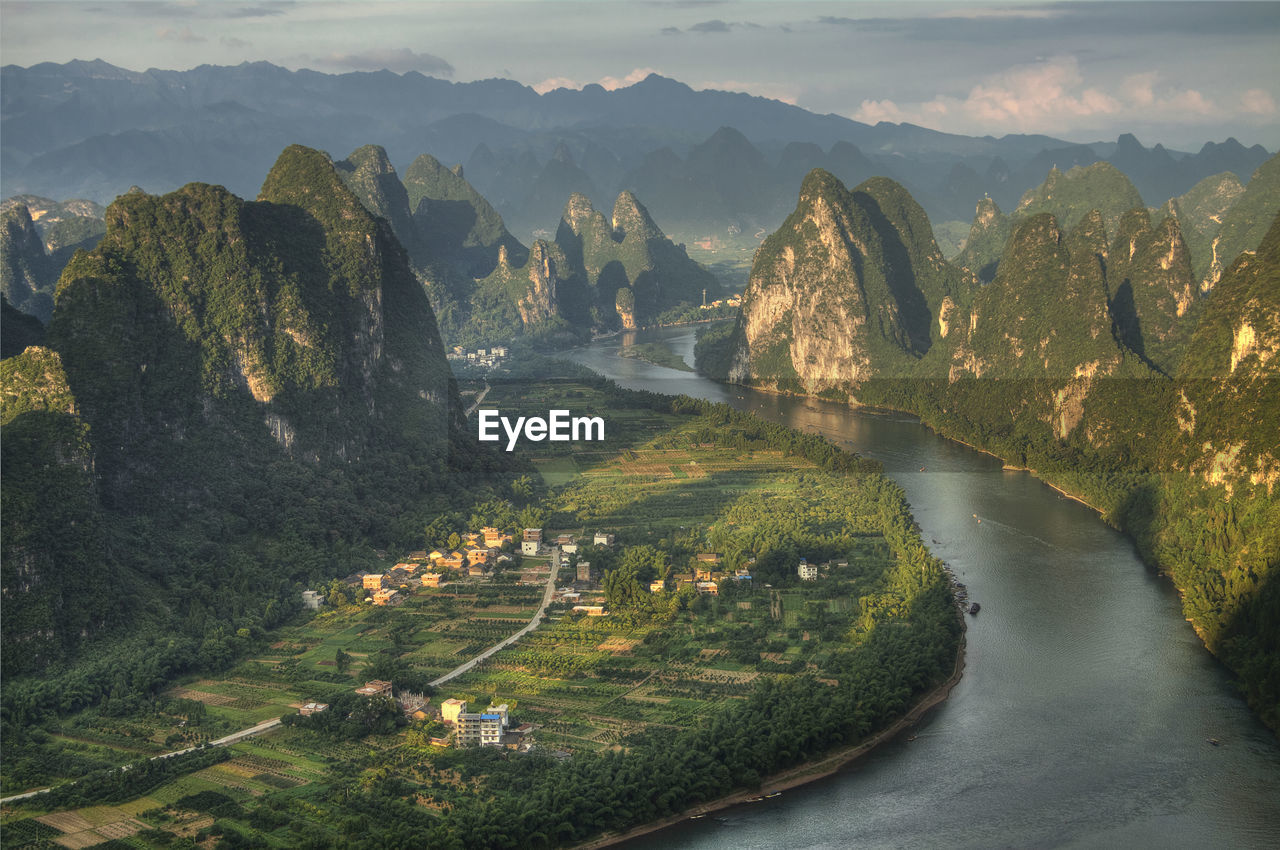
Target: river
(1088, 710)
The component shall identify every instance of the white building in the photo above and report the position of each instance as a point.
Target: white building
(312, 599)
(807, 571)
(484, 730)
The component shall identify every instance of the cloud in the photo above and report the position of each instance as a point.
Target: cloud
(1258, 102)
(229, 41)
(636, 75)
(1052, 97)
(710, 26)
(608, 83)
(553, 83)
(184, 35)
(670, 30)
(396, 59)
(261, 10)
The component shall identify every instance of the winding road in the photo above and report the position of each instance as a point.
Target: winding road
(533, 624)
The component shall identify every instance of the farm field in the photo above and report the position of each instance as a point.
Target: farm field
(691, 496)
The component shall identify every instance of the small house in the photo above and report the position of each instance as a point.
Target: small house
(375, 688)
(372, 581)
(313, 708)
(603, 539)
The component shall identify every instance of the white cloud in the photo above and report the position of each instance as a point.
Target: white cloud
(184, 35)
(553, 83)
(636, 75)
(1258, 102)
(609, 83)
(1052, 97)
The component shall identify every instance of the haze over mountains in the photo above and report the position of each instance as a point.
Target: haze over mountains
(90, 129)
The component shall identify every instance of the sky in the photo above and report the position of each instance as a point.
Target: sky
(1180, 73)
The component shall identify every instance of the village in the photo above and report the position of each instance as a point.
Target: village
(484, 357)
(480, 556)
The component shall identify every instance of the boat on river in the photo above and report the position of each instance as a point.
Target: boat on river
(975, 608)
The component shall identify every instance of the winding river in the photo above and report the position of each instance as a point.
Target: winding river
(1088, 712)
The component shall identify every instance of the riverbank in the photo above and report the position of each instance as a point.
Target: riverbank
(808, 772)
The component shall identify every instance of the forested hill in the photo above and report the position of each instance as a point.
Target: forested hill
(486, 287)
(236, 399)
(1093, 356)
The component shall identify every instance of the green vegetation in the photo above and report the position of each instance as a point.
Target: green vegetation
(18, 330)
(239, 400)
(1071, 196)
(671, 700)
(629, 256)
(1093, 361)
(38, 237)
(1246, 222)
(656, 353)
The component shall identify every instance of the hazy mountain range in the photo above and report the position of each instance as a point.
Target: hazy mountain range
(92, 130)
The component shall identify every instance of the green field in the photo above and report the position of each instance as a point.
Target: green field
(659, 666)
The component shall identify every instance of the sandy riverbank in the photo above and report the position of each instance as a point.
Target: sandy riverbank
(803, 774)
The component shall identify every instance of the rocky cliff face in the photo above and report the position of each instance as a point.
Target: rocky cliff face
(371, 177)
(1245, 223)
(1200, 212)
(627, 252)
(1230, 377)
(846, 290)
(294, 320)
(1154, 297)
(987, 237)
(26, 273)
(1093, 361)
(456, 223)
(255, 377)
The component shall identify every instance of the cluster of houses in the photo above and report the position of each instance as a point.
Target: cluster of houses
(731, 301)
(488, 357)
(490, 727)
(707, 575)
(479, 554)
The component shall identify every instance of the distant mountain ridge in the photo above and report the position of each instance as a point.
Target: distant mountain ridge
(90, 129)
